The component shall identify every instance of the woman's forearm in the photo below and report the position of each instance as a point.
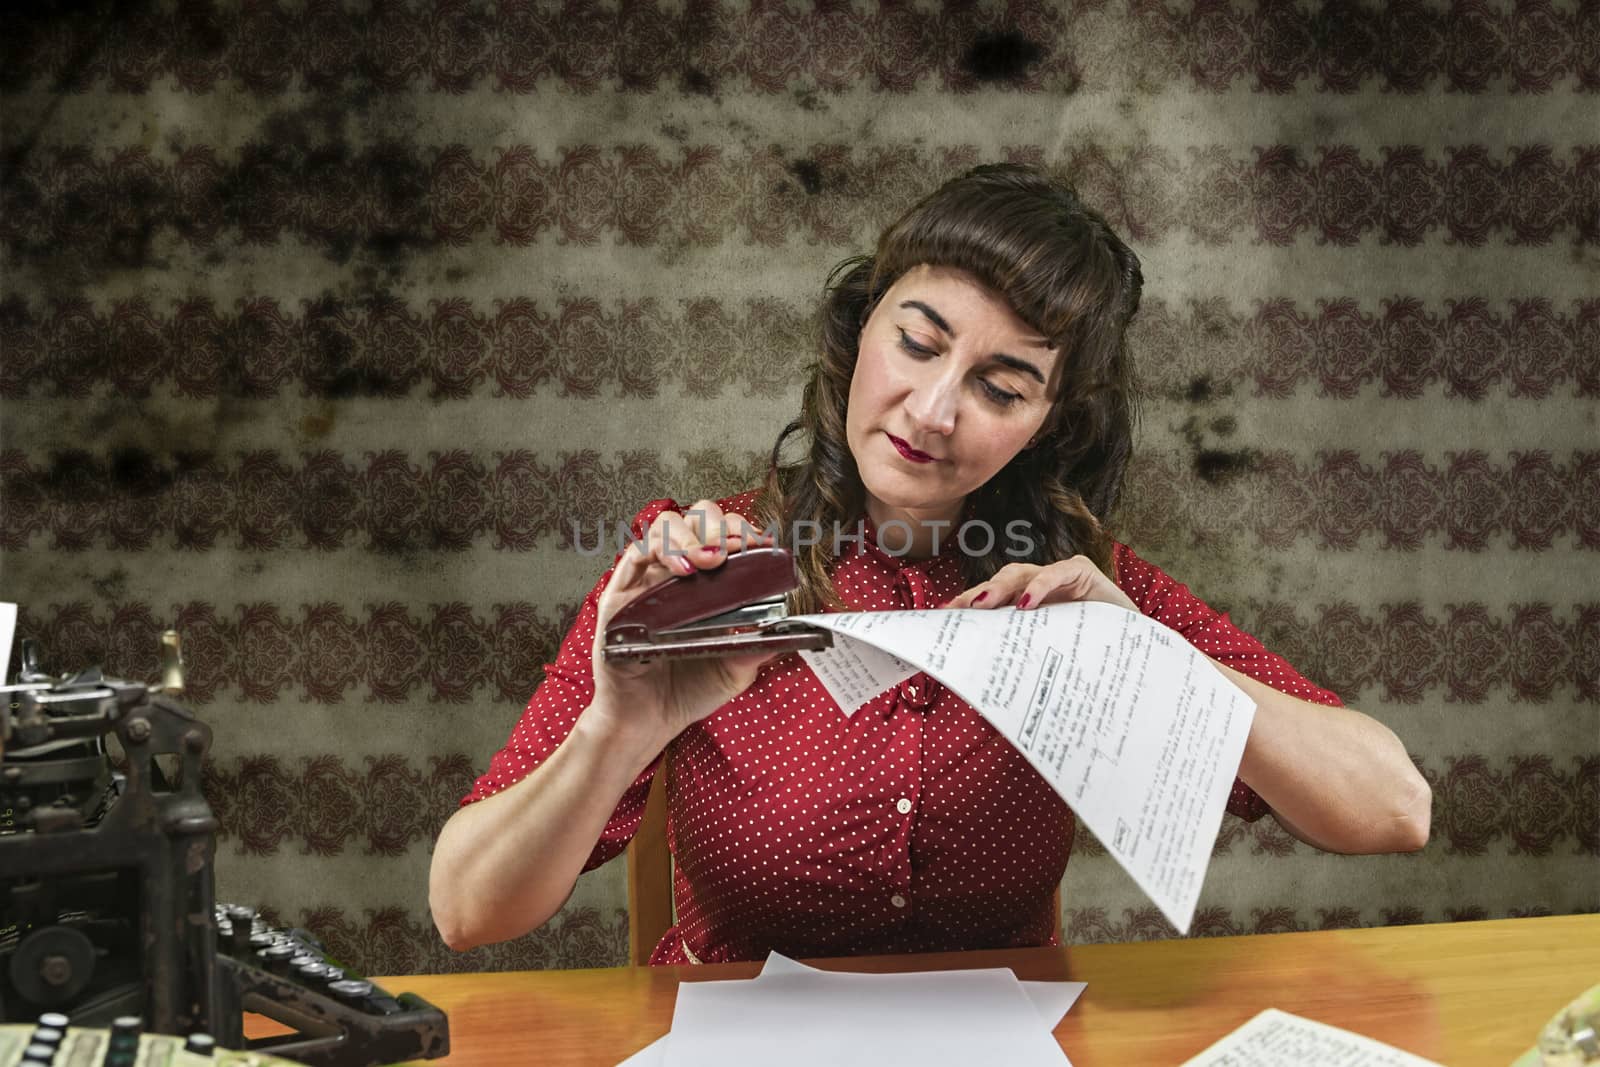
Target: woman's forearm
(1334, 777)
(504, 865)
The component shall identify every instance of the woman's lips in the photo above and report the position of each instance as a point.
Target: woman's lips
(907, 451)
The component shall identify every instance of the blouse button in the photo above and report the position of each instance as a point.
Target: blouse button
(919, 692)
(903, 806)
(898, 901)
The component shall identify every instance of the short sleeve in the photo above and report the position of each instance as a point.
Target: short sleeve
(567, 689)
(1171, 603)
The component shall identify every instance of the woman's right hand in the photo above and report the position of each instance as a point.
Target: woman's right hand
(504, 865)
(646, 705)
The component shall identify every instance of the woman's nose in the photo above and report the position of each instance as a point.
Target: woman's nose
(932, 404)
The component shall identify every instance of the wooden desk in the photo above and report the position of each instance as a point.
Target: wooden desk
(1462, 994)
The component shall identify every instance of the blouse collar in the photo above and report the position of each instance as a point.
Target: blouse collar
(949, 546)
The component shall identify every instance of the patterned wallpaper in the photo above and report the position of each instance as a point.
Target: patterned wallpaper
(322, 322)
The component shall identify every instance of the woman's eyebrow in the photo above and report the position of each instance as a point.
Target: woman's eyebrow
(1020, 365)
(933, 316)
(999, 357)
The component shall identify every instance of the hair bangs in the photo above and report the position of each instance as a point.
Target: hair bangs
(1053, 269)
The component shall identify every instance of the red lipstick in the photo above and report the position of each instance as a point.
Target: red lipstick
(907, 451)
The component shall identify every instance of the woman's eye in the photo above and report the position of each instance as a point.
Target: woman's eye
(993, 392)
(1000, 396)
(911, 346)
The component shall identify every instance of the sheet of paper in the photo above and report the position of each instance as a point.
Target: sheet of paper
(652, 1055)
(778, 963)
(1130, 724)
(8, 630)
(1277, 1039)
(799, 1018)
(1052, 1000)
(853, 672)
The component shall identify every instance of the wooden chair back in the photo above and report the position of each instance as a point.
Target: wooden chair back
(649, 876)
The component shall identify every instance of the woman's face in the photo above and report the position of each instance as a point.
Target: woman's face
(949, 385)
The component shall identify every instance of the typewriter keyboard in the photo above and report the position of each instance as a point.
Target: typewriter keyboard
(53, 1042)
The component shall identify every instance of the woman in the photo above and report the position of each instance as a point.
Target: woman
(973, 377)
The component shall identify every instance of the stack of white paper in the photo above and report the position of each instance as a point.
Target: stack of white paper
(794, 1014)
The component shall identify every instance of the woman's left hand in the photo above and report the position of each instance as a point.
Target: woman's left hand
(1028, 585)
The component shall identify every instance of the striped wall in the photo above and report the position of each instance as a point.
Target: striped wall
(322, 323)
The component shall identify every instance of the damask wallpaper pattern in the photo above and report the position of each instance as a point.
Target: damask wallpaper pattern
(324, 326)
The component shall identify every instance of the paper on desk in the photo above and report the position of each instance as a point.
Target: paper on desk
(652, 1055)
(1052, 1000)
(1277, 1039)
(1130, 724)
(804, 1017)
(8, 629)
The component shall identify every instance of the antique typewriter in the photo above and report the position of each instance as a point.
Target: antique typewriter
(112, 947)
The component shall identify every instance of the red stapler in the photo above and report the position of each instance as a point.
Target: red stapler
(738, 607)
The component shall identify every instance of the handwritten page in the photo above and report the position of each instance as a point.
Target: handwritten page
(1129, 723)
(854, 672)
(1277, 1039)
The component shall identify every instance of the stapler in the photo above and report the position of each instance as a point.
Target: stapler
(738, 607)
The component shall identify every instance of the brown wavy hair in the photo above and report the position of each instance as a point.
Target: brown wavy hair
(1028, 237)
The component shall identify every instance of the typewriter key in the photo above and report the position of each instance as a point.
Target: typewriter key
(351, 990)
(311, 973)
(276, 958)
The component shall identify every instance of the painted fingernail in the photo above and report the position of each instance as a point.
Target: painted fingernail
(1024, 601)
(710, 550)
(979, 598)
(685, 566)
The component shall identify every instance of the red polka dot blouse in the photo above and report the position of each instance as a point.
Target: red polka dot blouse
(912, 826)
